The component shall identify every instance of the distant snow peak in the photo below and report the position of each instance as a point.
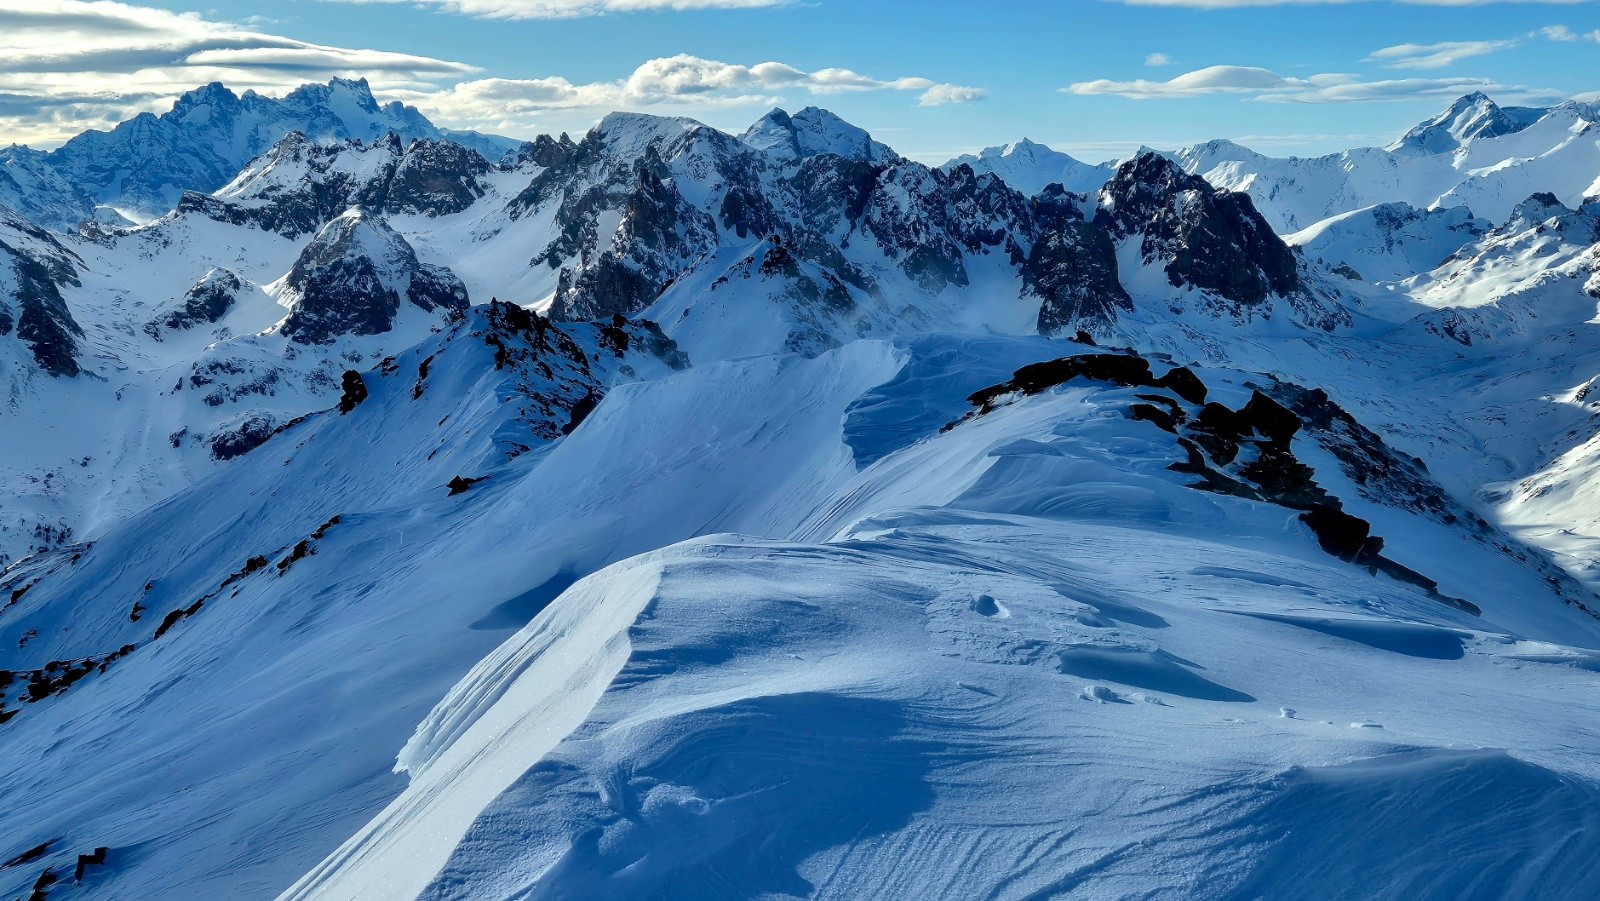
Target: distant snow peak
(145, 165)
(1030, 167)
(812, 132)
(1470, 117)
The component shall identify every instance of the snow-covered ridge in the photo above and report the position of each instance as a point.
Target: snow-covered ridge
(1474, 154)
(670, 513)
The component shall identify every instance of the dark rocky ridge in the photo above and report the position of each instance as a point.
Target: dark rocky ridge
(34, 266)
(1250, 453)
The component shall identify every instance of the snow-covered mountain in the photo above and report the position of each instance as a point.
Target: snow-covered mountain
(1031, 167)
(1474, 154)
(671, 513)
(142, 167)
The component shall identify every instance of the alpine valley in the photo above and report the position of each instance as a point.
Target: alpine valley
(394, 512)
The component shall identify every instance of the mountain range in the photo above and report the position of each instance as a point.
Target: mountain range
(673, 513)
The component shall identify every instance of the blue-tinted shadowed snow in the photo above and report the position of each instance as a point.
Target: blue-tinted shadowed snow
(1426, 825)
(723, 803)
(1411, 639)
(931, 390)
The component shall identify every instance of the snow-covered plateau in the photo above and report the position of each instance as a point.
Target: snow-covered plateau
(668, 513)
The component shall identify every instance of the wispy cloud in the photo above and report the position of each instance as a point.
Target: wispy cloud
(683, 80)
(570, 9)
(1242, 4)
(66, 65)
(1266, 85)
(1554, 33)
(1435, 56)
(1564, 34)
(1158, 59)
(69, 64)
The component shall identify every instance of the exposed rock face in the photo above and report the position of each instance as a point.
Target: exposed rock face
(1212, 240)
(207, 302)
(543, 152)
(33, 269)
(355, 391)
(299, 184)
(1251, 452)
(1072, 270)
(351, 279)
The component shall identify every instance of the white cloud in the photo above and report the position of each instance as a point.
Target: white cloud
(66, 65)
(505, 104)
(1265, 85)
(69, 64)
(1554, 33)
(1434, 56)
(1243, 4)
(1210, 80)
(570, 9)
(943, 94)
(1158, 59)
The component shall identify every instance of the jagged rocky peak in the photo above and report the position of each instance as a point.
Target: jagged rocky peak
(1470, 117)
(34, 266)
(146, 164)
(543, 152)
(1208, 239)
(353, 276)
(814, 132)
(299, 184)
(206, 302)
(1544, 214)
(1072, 269)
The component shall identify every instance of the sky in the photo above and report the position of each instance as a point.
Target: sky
(932, 78)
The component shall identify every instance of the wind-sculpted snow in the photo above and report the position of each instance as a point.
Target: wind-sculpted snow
(761, 531)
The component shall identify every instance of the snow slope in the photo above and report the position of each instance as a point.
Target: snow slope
(952, 684)
(818, 587)
(1031, 167)
(1456, 160)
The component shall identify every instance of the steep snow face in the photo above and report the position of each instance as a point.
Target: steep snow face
(813, 132)
(1475, 154)
(1470, 117)
(144, 165)
(1390, 241)
(1030, 168)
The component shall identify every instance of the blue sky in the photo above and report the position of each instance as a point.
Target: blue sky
(933, 78)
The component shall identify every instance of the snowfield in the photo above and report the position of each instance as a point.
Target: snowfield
(671, 514)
